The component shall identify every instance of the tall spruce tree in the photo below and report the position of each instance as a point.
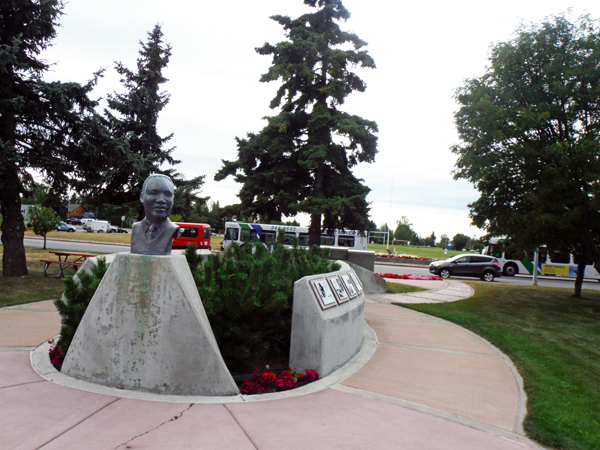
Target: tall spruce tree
(43, 125)
(301, 161)
(187, 201)
(132, 119)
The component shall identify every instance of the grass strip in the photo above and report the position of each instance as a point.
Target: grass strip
(425, 252)
(34, 286)
(400, 288)
(554, 340)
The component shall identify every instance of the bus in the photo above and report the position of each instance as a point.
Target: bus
(267, 234)
(549, 263)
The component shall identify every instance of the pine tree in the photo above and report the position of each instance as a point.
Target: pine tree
(78, 294)
(187, 201)
(132, 119)
(43, 126)
(301, 161)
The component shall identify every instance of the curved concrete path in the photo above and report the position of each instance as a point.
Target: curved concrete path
(429, 385)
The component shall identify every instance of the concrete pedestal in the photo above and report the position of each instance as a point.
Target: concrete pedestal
(146, 329)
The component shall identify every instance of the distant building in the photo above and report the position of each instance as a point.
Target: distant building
(25, 211)
(75, 210)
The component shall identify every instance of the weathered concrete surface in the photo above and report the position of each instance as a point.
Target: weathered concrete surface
(336, 253)
(157, 425)
(372, 283)
(146, 329)
(324, 340)
(362, 258)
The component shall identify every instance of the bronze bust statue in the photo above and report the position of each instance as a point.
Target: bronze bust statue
(155, 233)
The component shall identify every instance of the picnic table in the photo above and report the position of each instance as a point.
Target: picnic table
(77, 259)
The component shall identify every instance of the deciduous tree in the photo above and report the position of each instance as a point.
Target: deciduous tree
(43, 221)
(301, 161)
(460, 241)
(404, 231)
(530, 131)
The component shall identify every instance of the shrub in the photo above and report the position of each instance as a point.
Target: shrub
(79, 291)
(247, 294)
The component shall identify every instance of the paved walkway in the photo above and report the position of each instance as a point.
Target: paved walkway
(420, 383)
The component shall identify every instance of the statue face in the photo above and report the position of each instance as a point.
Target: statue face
(158, 199)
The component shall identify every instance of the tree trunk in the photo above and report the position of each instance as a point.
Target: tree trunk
(591, 247)
(14, 263)
(314, 232)
(579, 279)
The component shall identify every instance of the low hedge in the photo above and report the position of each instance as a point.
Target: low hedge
(247, 293)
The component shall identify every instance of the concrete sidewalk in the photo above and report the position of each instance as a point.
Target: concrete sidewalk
(437, 292)
(421, 383)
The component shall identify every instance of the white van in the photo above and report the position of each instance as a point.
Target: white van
(100, 226)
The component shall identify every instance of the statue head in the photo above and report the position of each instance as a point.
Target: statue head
(157, 197)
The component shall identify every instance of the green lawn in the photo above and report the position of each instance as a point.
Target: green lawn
(399, 288)
(33, 287)
(426, 252)
(554, 340)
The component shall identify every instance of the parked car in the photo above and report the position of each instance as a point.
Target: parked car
(485, 267)
(116, 229)
(100, 226)
(74, 221)
(65, 227)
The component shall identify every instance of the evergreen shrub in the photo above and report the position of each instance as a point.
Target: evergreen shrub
(79, 290)
(247, 293)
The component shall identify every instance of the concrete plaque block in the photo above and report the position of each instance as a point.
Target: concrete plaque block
(324, 339)
(146, 329)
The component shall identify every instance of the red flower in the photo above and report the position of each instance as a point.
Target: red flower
(263, 382)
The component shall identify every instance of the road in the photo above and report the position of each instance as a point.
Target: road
(93, 247)
(518, 279)
(76, 246)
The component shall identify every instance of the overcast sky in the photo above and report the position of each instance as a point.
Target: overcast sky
(423, 52)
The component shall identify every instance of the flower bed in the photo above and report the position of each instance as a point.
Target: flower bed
(403, 256)
(409, 277)
(263, 382)
(56, 359)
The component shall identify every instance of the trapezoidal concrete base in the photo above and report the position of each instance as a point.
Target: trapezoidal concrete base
(146, 329)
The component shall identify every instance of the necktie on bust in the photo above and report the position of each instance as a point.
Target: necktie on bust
(152, 231)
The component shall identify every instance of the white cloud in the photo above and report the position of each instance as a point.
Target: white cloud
(423, 53)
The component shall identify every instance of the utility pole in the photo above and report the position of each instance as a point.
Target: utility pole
(535, 267)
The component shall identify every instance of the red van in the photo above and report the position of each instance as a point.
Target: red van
(193, 233)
